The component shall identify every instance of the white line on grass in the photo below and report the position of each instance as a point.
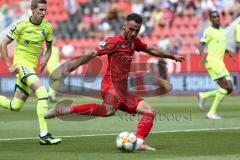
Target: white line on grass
(111, 134)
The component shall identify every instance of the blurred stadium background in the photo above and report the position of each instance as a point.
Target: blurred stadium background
(175, 25)
(180, 131)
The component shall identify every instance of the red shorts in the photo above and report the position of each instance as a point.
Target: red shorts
(124, 101)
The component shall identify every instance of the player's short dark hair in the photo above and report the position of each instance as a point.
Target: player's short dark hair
(134, 17)
(34, 3)
(212, 12)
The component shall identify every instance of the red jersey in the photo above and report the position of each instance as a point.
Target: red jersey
(120, 53)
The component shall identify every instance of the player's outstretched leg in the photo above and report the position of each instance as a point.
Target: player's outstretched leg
(144, 125)
(62, 108)
(92, 109)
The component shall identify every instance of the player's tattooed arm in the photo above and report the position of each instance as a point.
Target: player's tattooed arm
(159, 52)
(80, 60)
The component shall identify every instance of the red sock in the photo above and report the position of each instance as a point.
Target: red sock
(145, 125)
(91, 109)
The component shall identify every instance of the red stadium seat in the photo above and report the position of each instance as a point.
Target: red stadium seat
(1, 2)
(158, 32)
(176, 21)
(91, 43)
(195, 41)
(174, 30)
(60, 43)
(75, 43)
(186, 41)
(180, 21)
(183, 50)
(154, 40)
(190, 41)
(12, 2)
(81, 43)
(194, 21)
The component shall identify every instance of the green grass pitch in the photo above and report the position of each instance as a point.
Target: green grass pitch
(180, 132)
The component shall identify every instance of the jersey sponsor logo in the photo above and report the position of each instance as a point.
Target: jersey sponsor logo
(26, 42)
(102, 45)
(126, 45)
(126, 58)
(13, 29)
(43, 32)
(107, 46)
(219, 74)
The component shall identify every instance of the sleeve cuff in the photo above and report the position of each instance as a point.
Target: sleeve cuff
(10, 37)
(48, 41)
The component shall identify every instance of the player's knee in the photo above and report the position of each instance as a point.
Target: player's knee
(16, 104)
(110, 110)
(16, 107)
(150, 110)
(41, 92)
(144, 107)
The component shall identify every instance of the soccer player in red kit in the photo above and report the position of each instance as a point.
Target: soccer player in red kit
(120, 50)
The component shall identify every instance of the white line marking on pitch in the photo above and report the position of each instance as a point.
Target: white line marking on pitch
(112, 134)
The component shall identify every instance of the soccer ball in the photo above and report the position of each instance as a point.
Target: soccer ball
(126, 141)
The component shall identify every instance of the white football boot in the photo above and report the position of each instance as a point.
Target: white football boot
(143, 147)
(213, 116)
